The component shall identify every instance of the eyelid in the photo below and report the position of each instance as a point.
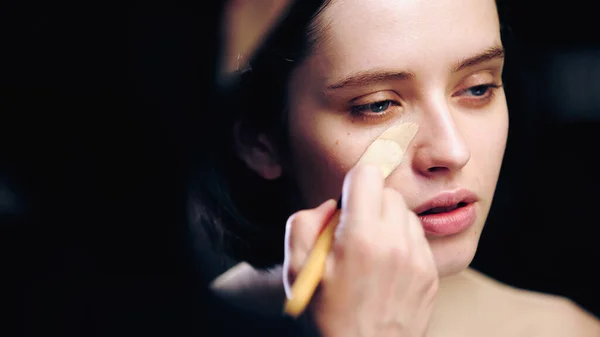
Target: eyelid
(479, 78)
(476, 101)
(492, 85)
(489, 78)
(359, 107)
(380, 96)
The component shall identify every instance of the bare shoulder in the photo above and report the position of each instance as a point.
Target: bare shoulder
(536, 314)
(556, 316)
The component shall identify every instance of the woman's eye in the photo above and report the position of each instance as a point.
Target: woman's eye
(376, 108)
(479, 90)
(483, 90)
(379, 106)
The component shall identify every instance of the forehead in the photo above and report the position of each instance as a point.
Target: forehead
(412, 35)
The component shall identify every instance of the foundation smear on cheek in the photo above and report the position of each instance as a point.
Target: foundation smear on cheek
(388, 149)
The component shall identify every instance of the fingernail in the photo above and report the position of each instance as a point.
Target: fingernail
(328, 203)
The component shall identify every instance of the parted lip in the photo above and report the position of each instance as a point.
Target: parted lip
(447, 199)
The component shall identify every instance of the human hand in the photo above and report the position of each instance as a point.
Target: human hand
(380, 277)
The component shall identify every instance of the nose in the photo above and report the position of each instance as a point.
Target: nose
(440, 149)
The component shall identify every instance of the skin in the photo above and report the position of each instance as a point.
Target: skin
(462, 132)
(463, 124)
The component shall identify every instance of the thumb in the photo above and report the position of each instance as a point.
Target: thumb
(255, 290)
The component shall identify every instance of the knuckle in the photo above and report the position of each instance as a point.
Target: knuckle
(359, 243)
(431, 288)
(356, 246)
(398, 254)
(422, 268)
(427, 272)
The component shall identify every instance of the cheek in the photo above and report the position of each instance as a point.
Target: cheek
(323, 149)
(488, 142)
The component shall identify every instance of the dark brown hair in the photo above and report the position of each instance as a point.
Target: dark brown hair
(235, 212)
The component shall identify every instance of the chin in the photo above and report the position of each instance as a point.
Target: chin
(453, 254)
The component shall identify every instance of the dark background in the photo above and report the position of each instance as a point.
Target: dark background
(542, 232)
(92, 234)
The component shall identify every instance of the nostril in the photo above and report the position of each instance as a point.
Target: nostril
(436, 169)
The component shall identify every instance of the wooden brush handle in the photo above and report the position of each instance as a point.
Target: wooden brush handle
(309, 277)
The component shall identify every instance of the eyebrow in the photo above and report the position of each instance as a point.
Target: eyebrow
(371, 77)
(493, 53)
(364, 78)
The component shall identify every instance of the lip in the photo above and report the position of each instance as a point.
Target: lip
(451, 222)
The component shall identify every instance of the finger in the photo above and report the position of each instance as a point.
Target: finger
(361, 196)
(406, 229)
(303, 227)
(394, 209)
(302, 230)
(393, 206)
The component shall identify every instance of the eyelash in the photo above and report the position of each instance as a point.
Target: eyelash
(359, 110)
(488, 95)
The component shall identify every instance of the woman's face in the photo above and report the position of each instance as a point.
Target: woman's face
(434, 62)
